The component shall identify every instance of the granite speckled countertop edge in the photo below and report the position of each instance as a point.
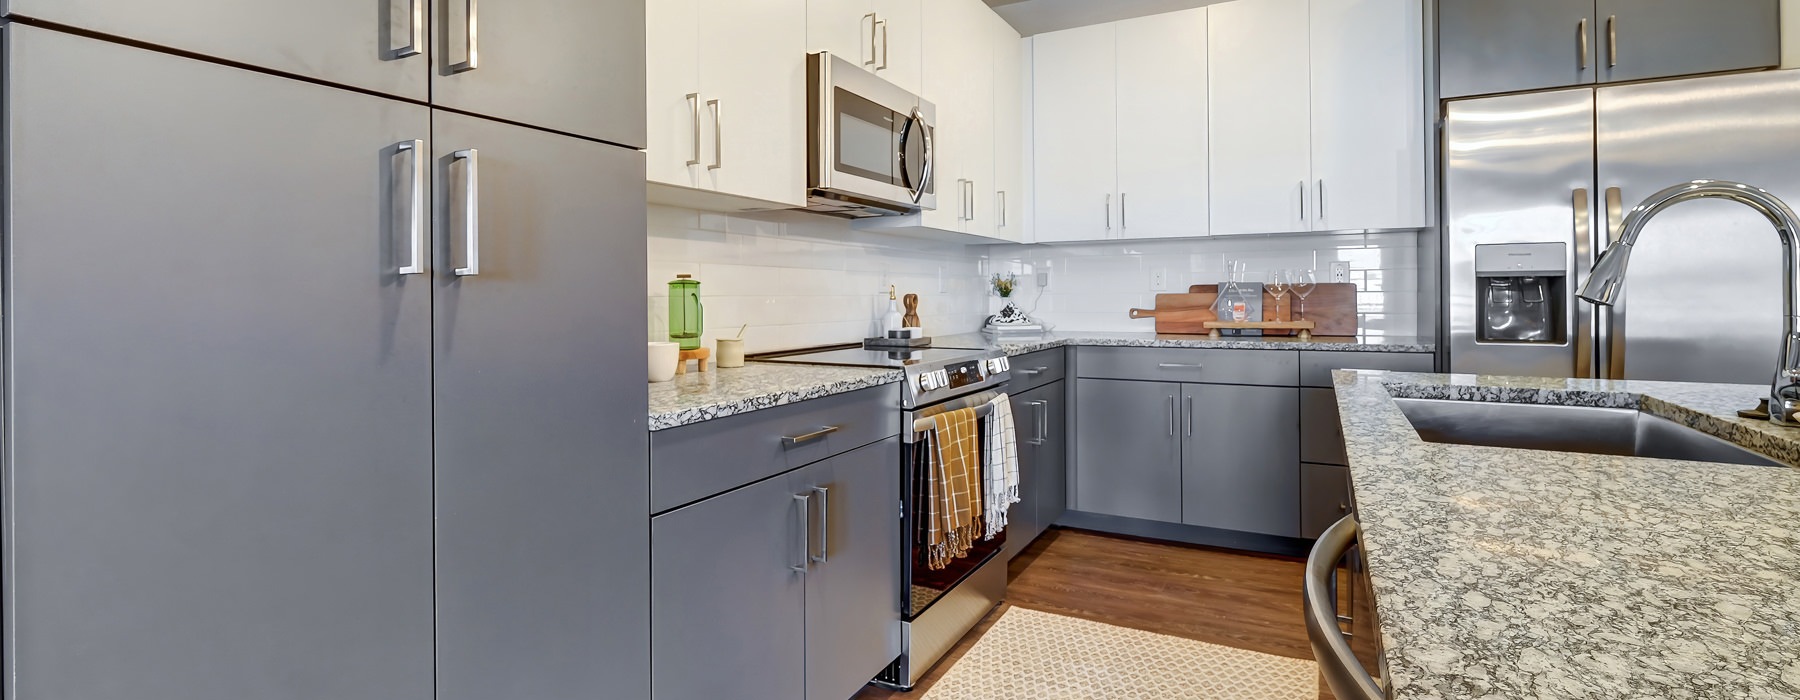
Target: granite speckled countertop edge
(701, 396)
(1518, 573)
(1019, 345)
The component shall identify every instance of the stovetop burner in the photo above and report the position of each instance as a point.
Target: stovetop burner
(932, 374)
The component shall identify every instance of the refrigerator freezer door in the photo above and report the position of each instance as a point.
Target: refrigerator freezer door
(1703, 297)
(1518, 169)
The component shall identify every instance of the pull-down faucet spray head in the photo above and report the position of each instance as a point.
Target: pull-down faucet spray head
(1602, 286)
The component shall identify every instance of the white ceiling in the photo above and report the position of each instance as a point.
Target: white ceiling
(1039, 16)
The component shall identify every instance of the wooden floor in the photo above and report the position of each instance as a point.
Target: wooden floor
(1226, 598)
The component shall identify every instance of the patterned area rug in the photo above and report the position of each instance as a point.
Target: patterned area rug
(1031, 655)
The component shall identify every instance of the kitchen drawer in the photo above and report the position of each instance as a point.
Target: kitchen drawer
(1321, 433)
(1032, 370)
(1316, 365)
(695, 461)
(1324, 497)
(1263, 367)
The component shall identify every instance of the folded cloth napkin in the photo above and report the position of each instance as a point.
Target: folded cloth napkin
(1000, 469)
(955, 486)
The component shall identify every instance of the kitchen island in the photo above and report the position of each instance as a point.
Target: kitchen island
(1518, 573)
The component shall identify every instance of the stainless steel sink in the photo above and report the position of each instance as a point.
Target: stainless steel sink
(1604, 431)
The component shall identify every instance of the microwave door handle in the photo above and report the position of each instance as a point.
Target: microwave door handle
(918, 122)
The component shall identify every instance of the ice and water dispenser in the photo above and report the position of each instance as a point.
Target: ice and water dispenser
(1521, 292)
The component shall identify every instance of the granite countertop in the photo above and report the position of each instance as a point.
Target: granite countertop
(699, 396)
(1018, 345)
(1530, 574)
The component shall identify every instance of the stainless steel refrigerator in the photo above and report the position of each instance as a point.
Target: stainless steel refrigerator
(1535, 188)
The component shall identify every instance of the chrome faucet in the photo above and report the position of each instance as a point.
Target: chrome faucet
(1602, 286)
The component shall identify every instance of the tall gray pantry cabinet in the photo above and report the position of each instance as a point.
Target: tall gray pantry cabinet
(261, 439)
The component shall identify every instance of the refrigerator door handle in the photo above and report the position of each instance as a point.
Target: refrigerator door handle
(471, 213)
(1615, 216)
(415, 207)
(1610, 321)
(1584, 312)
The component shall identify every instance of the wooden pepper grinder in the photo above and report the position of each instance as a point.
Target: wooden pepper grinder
(911, 320)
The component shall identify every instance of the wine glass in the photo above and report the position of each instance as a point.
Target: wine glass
(1303, 282)
(1276, 281)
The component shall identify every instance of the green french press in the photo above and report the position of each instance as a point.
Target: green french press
(687, 317)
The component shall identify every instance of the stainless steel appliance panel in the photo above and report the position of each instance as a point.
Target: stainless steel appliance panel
(1519, 169)
(1703, 300)
(870, 143)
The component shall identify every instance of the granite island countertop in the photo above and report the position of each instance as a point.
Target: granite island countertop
(716, 393)
(1021, 344)
(1530, 574)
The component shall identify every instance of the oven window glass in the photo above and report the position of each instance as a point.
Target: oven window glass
(867, 138)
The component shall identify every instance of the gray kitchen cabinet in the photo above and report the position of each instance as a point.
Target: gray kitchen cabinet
(1495, 46)
(1240, 458)
(1641, 39)
(1489, 46)
(728, 594)
(1321, 432)
(541, 449)
(1041, 416)
(1324, 497)
(1127, 452)
(377, 46)
(574, 67)
(218, 425)
(853, 593)
(784, 589)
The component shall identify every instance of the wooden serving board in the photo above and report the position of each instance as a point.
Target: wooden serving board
(1331, 307)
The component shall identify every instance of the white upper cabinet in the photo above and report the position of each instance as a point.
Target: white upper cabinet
(1162, 143)
(727, 103)
(885, 37)
(1368, 116)
(1261, 170)
(1074, 149)
(1008, 190)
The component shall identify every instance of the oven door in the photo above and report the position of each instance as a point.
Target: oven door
(925, 585)
(871, 141)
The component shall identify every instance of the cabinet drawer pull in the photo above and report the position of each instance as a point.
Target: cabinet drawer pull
(471, 213)
(1171, 416)
(415, 227)
(415, 30)
(470, 39)
(1042, 415)
(1190, 416)
(1034, 371)
(1581, 42)
(795, 440)
(1179, 365)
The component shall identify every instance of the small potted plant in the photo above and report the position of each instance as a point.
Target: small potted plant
(1011, 317)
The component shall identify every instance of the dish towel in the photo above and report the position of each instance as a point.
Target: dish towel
(955, 486)
(1000, 469)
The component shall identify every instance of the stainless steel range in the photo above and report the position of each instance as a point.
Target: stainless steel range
(938, 606)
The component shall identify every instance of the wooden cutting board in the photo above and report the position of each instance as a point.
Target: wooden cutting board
(1181, 313)
(1331, 305)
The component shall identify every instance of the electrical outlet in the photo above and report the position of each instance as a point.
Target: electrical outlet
(1043, 279)
(1340, 271)
(1159, 279)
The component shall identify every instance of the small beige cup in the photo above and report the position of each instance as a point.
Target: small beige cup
(664, 358)
(730, 352)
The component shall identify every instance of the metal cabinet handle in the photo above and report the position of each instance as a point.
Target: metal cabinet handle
(1109, 211)
(1043, 422)
(1581, 42)
(884, 44)
(1038, 406)
(471, 213)
(1122, 225)
(872, 22)
(971, 199)
(824, 523)
(415, 207)
(791, 441)
(1303, 200)
(805, 502)
(415, 30)
(1180, 365)
(718, 136)
(1321, 202)
(1171, 416)
(1034, 371)
(473, 60)
(962, 199)
(1002, 207)
(1337, 661)
(1612, 41)
(1190, 416)
(693, 99)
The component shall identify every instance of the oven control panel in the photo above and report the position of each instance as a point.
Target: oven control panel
(955, 377)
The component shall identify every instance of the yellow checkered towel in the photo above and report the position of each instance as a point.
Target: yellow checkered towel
(955, 486)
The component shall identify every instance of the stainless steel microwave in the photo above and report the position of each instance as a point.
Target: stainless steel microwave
(869, 150)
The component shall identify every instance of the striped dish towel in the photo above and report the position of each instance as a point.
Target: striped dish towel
(1000, 468)
(955, 486)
